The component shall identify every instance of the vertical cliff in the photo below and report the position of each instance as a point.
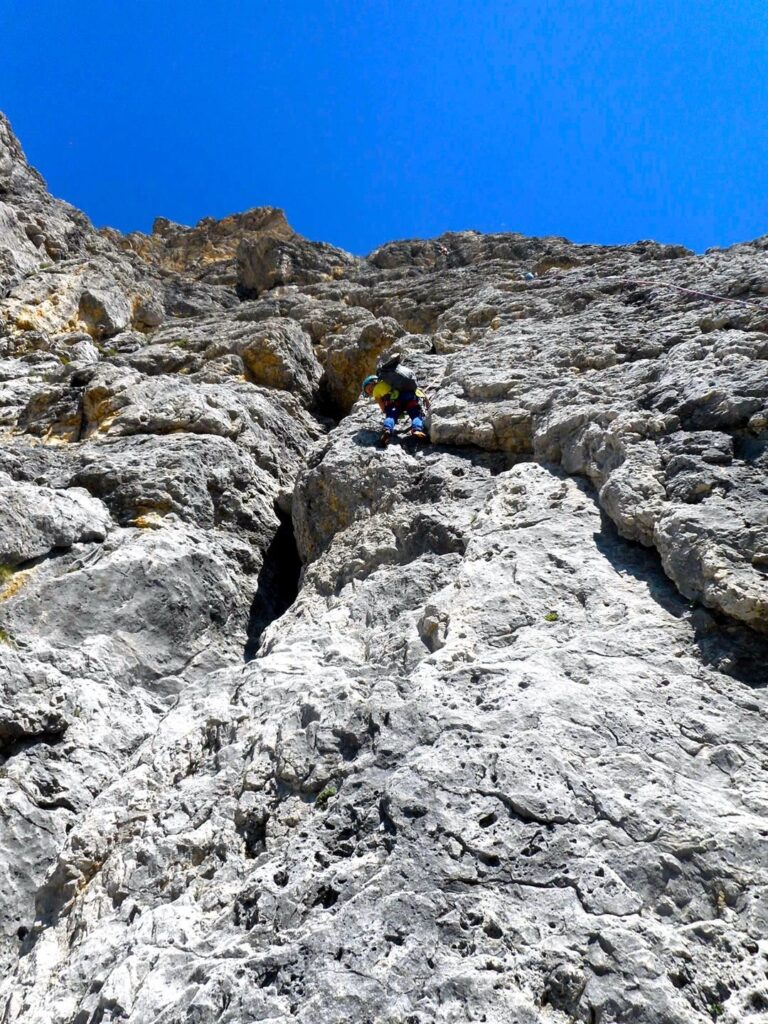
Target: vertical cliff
(296, 729)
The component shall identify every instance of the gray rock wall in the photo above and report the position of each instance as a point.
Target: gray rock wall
(498, 754)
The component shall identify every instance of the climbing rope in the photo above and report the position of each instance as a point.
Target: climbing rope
(668, 284)
(696, 294)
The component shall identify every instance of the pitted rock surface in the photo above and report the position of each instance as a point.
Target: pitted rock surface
(293, 728)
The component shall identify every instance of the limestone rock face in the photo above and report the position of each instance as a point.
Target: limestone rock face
(293, 728)
(35, 229)
(208, 251)
(271, 260)
(38, 519)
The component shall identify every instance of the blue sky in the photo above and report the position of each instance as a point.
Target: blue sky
(369, 120)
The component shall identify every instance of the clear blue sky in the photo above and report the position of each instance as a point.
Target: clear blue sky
(370, 120)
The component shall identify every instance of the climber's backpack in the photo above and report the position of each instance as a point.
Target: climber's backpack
(398, 376)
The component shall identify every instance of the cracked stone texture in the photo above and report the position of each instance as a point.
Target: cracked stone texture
(503, 758)
(208, 251)
(34, 227)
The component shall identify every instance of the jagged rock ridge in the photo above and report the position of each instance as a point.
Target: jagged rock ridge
(499, 753)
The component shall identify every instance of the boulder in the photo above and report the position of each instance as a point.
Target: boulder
(269, 261)
(38, 520)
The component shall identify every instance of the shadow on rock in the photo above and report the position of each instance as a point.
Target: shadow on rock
(366, 438)
(627, 556)
(494, 461)
(727, 646)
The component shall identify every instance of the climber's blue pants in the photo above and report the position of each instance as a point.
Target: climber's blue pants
(406, 402)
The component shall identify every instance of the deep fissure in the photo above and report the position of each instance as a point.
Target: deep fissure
(277, 584)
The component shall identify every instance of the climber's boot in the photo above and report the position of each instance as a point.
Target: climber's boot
(384, 438)
(417, 425)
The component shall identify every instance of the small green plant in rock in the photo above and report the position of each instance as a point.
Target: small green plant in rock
(325, 795)
(6, 638)
(6, 571)
(716, 1010)
(551, 617)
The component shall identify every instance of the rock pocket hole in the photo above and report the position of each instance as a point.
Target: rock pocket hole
(327, 407)
(14, 741)
(326, 897)
(277, 584)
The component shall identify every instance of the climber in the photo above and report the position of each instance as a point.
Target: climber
(395, 390)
